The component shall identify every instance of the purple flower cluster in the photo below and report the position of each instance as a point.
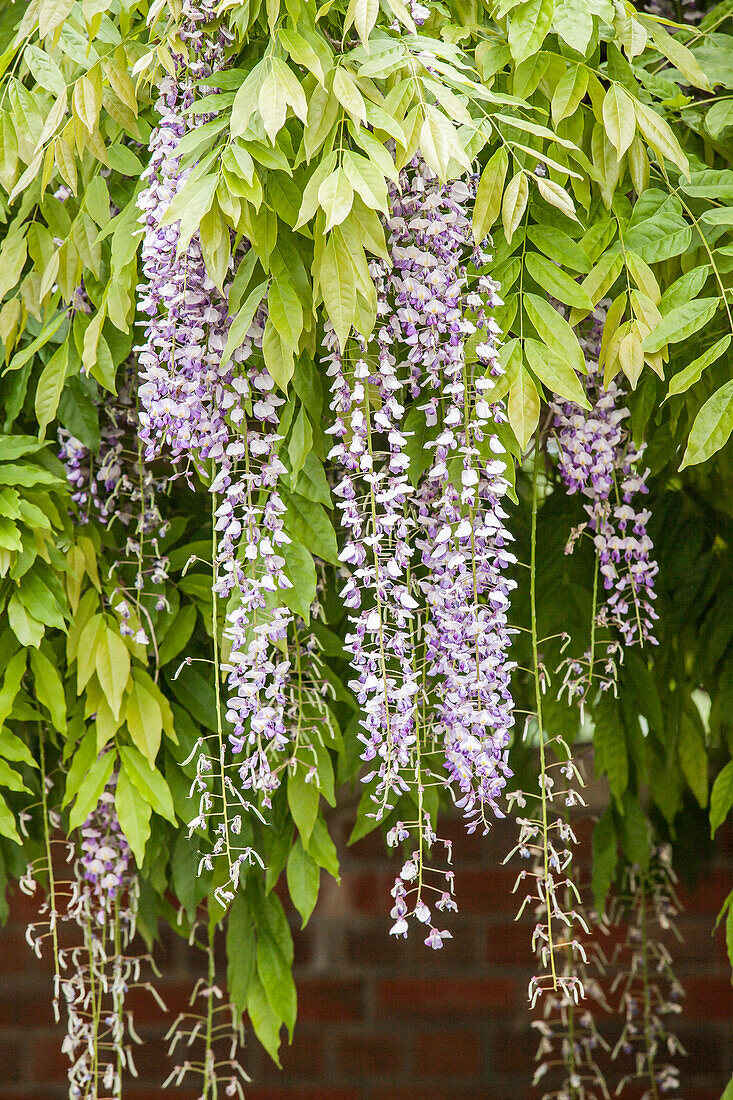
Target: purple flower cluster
(181, 369)
(106, 861)
(596, 457)
(427, 579)
(463, 541)
(219, 416)
(100, 972)
(116, 484)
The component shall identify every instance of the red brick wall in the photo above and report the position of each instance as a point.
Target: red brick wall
(385, 1020)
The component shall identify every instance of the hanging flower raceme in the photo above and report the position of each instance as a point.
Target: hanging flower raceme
(464, 542)
(651, 995)
(103, 907)
(596, 458)
(427, 567)
(547, 841)
(219, 415)
(116, 485)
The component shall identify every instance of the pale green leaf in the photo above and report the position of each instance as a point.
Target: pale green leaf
(712, 427)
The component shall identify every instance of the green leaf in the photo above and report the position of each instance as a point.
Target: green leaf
(338, 286)
(312, 483)
(144, 720)
(335, 197)
(28, 630)
(303, 875)
(308, 523)
(692, 373)
(675, 51)
(265, 1022)
(323, 849)
(556, 282)
(14, 672)
(78, 413)
(91, 788)
(12, 748)
(523, 407)
(719, 117)
(112, 664)
(45, 70)
(660, 136)
(241, 951)
(27, 475)
(556, 371)
(7, 822)
(243, 321)
(555, 331)
(300, 569)
(303, 799)
(721, 797)
(489, 194)
(573, 21)
(529, 24)
(189, 206)
(569, 91)
(278, 356)
(50, 385)
(635, 832)
(514, 204)
(367, 180)
(693, 758)
(680, 323)
(10, 779)
(657, 231)
(133, 813)
(49, 688)
(274, 972)
(286, 312)
(619, 118)
(148, 782)
(712, 427)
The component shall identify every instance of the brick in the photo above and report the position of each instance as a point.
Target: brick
(488, 891)
(708, 998)
(47, 1062)
(365, 1055)
(367, 891)
(418, 1092)
(305, 1058)
(283, 1093)
(707, 894)
(447, 1054)
(509, 944)
(330, 999)
(421, 996)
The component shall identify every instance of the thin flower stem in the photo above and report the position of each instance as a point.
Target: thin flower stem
(538, 705)
(217, 684)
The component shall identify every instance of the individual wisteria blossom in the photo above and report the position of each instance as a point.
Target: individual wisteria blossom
(597, 459)
(647, 907)
(427, 584)
(546, 842)
(218, 415)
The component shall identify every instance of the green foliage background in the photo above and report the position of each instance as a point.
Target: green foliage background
(634, 127)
